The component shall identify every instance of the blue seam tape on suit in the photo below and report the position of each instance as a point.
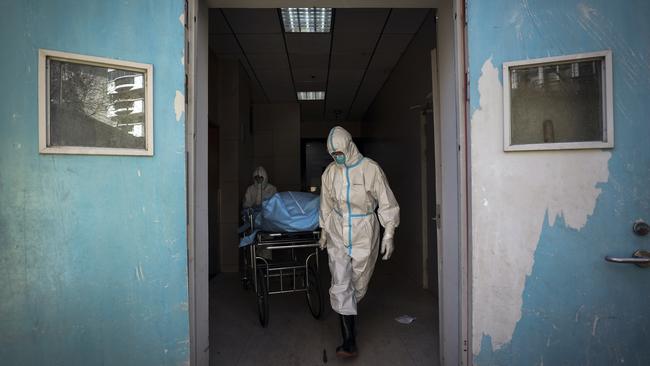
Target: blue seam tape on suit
(347, 175)
(350, 215)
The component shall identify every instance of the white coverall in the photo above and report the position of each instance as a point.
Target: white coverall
(259, 191)
(350, 194)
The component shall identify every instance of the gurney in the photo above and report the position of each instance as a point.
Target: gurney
(279, 250)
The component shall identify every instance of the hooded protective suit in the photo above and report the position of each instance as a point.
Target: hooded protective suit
(351, 192)
(259, 191)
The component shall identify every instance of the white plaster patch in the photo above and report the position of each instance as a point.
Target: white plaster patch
(521, 188)
(181, 19)
(179, 105)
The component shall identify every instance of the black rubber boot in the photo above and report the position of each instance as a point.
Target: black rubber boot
(349, 347)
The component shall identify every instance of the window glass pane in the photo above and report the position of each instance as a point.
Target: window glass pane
(95, 106)
(559, 102)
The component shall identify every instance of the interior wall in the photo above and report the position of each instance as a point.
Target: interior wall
(543, 221)
(246, 147)
(230, 104)
(276, 134)
(320, 129)
(93, 249)
(213, 169)
(392, 128)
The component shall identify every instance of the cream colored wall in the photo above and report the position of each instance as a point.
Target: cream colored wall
(392, 130)
(229, 106)
(276, 134)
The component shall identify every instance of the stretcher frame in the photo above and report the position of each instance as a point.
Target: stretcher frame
(300, 274)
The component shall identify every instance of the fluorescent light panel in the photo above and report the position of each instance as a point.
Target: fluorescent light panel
(307, 20)
(311, 95)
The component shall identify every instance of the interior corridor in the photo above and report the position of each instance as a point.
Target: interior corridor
(294, 337)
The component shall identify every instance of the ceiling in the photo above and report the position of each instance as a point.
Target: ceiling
(351, 63)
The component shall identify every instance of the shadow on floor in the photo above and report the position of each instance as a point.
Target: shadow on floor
(294, 337)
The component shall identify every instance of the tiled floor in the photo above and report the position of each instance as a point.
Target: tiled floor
(294, 337)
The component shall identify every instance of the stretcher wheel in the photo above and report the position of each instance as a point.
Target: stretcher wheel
(262, 298)
(314, 296)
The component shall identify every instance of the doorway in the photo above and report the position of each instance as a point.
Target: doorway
(252, 130)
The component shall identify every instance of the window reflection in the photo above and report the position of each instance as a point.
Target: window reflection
(95, 106)
(561, 102)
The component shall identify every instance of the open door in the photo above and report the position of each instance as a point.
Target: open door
(196, 59)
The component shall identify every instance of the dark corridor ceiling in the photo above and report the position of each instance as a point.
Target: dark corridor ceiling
(351, 63)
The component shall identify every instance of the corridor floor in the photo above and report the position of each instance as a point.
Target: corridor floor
(294, 337)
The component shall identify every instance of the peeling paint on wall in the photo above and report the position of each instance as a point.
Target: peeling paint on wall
(512, 193)
(179, 105)
(575, 308)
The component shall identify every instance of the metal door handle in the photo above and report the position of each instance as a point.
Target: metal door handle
(641, 258)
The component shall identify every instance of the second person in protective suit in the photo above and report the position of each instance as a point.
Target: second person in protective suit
(260, 190)
(355, 200)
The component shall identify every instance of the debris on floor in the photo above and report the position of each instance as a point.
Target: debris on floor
(405, 319)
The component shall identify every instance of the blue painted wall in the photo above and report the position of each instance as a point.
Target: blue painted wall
(93, 258)
(578, 309)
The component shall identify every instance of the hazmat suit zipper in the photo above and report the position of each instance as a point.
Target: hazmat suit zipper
(347, 175)
(350, 215)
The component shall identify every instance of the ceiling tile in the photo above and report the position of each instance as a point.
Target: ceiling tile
(359, 43)
(357, 60)
(384, 61)
(308, 43)
(345, 77)
(282, 77)
(307, 75)
(262, 43)
(224, 44)
(277, 84)
(310, 86)
(393, 43)
(218, 24)
(276, 61)
(405, 20)
(373, 81)
(369, 89)
(359, 20)
(246, 21)
(306, 61)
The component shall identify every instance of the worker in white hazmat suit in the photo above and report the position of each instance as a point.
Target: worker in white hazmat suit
(355, 199)
(260, 190)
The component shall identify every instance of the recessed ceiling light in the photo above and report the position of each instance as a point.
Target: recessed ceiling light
(311, 95)
(312, 20)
